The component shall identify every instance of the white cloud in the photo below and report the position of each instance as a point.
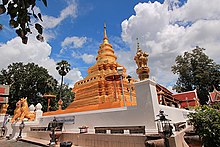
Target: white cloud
(88, 58)
(39, 52)
(69, 11)
(34, 51)
(73, 42)
(195, 10)
(159, 35)
(50, 22)
(15, 51)
(73, 76)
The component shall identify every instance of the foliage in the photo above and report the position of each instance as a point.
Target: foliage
(27, 81)
(67, 97)
(63, 67)
(216, 106)
(20, 12)
(196, 71)
(206, 122)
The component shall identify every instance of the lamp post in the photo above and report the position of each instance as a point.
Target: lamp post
(164, 127)
(21, 127)
(120, 72)
(129, 80)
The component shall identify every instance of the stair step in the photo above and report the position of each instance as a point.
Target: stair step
(37, 141)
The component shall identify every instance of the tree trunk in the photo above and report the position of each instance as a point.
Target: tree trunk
(61, 86)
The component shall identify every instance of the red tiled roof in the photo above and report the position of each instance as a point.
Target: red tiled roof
(215, 95)
(160, 87)
(187, 98)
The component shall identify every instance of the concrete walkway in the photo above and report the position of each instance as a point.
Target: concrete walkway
(14, 143)
(30, 143)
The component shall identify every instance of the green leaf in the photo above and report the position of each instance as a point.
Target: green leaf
(40, 16)
(35, 16)
(2, 9)
(5, 2)
(39, 28)
(45, 2)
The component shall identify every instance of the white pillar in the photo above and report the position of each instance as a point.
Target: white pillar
(147, 101)
(39, 112)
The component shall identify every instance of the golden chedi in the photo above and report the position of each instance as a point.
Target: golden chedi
(102, 87)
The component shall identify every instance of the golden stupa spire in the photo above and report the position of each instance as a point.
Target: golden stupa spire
(105, 39)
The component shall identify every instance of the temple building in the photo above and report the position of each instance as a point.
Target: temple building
(165, 97)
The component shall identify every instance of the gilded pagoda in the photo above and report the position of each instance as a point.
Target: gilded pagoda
(105, 86)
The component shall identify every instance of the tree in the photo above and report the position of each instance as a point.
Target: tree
(196, 71)
(27, 81)
(206, 122)
(67, 97)
(20, 12)
(63, 67)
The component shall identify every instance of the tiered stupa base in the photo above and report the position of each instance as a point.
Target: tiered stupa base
(107, 105)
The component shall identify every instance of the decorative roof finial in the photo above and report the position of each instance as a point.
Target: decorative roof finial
(105, 39)
(141, 59)
(138, 45)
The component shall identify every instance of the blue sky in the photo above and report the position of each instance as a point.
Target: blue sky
(74, 29)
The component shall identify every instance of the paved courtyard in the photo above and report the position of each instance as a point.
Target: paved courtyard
(14, 143)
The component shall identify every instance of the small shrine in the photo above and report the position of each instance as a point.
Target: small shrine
(49, 97)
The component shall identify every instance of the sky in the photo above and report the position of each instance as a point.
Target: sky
(73, 31)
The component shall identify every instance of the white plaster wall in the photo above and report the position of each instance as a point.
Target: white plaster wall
(175, 114)
(141, 115)
(144, 114)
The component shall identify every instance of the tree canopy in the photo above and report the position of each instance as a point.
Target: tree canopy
(63, 67)
(31, 81)
(67, 97)
(20, 12)
(196, 71)
(26, 81)
(206, 122)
